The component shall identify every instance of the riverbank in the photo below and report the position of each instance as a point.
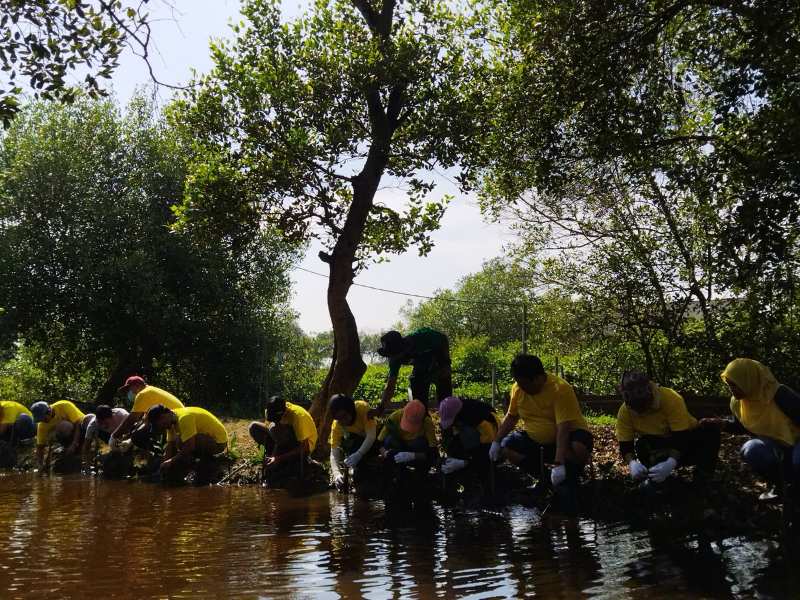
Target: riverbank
(726, 506)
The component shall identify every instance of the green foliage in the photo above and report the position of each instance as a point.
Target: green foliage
(292, 112)
(94, 281)
(43, 41)
(656, 186)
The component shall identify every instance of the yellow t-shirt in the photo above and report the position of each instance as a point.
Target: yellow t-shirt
(9, 411)
(302, 424)
(63, 410)
(150, 396)
(193, 420)
(765, 418)
(359, 426)
(540, 414)
(669, 414)
(393, 424)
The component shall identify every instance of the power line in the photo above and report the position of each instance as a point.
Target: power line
(412, 295)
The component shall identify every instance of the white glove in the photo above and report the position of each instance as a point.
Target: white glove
(125, 445)
(352, 460)
(494, 451)
(451, 465)
(661, 471)
(404, 457)
(338, 480)
(638, 470)
(558, 475)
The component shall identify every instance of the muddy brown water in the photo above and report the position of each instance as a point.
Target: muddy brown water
(79, 537)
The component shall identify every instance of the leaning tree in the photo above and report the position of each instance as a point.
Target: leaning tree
(300, 123)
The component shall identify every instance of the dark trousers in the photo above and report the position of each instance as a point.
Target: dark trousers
(466, 445)
(277, 439)
(698, 447)
(422, 376)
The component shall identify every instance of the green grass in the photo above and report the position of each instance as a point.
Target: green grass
(594, 418)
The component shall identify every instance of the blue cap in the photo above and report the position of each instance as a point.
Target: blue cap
(40, 410)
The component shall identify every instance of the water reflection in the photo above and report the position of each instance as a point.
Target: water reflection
(78, 538)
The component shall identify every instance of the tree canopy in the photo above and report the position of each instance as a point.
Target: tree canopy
(93, 277)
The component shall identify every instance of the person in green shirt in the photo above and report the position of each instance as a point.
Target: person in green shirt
(428, 352)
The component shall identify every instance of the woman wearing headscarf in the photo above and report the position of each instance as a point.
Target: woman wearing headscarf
(769, 411)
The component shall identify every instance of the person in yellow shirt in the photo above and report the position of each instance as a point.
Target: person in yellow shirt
(288, 436)
(16, 425)
(554, 430)
(408, 449)
(408, 437)
(61, 420)
(657, 434)
(770, 412)
(193, 434)
(135, 426)
(352, 439)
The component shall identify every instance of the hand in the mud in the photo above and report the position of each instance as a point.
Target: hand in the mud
(338, 482)
(638, 470)
(270, 462)
(404, 457)
(661, 471)
(558, 475)
(352, 460)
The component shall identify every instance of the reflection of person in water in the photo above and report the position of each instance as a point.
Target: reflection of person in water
(674, 562)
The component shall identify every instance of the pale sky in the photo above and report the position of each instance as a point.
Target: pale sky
(462, 244)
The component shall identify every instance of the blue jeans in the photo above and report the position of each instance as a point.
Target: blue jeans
(766, 457)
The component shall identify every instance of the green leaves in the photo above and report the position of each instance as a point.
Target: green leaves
(43, 41)
(297, 107)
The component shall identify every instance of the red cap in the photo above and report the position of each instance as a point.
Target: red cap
(130, 381)
(413, 417)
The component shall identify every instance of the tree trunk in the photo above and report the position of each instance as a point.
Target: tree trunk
(347, 366)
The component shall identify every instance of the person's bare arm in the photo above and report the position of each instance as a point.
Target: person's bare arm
(388, 394)
(562, 442)
(506, 427)
(302, 447)
(126, 425)
(76, 438)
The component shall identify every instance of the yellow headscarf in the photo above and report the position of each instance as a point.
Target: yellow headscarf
(757, 411)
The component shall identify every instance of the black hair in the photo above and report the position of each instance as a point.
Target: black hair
(391, 344)
(341, 402)
(103, 412)
(527, 366)
(155, 412)
(276, 407)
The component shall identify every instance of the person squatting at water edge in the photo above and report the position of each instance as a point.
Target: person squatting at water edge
(135, 430)
(656, 433)
(428, 351)
(289, 436)
(408, 448)
(468, 429)
(770, 412)
(554, 431)
(16, 426)
(195, 438)
(352, 442)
